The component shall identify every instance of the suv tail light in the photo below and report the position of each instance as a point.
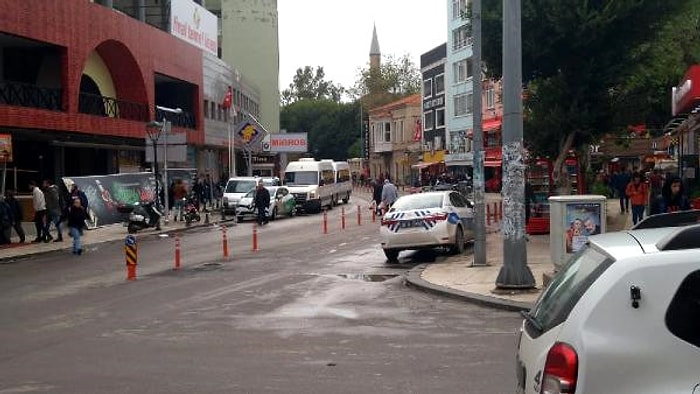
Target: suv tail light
(388, 222)
(560, 370)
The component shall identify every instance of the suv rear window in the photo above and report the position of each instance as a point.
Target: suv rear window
(567, 287)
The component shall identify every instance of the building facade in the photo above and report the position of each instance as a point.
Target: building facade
(459, 74)
(393, 137)
(432, 64)
(76, 99)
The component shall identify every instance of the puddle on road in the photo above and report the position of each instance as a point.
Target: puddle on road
(208, 267)
(369, 277)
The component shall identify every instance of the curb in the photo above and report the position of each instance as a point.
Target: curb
(413, 279)
(39, 253)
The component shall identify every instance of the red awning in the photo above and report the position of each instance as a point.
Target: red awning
(491, 124)
(492, 163)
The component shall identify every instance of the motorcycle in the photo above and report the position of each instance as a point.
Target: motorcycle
(191, 210)
(142, 214)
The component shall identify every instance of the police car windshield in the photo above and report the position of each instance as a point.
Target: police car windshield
(567, 287)
(301, 178)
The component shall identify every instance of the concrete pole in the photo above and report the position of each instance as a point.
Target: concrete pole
(514, 274)
(478, 148)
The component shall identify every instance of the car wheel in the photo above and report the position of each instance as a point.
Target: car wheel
(132, 229)
(392, 255)
(346, 199)
(459, 245)
(273, 216)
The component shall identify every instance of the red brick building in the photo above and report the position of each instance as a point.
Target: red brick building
(80, 81)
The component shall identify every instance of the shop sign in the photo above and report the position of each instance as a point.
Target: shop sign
(289, 142)
(5, 148)
(432, 103)
(687, 94)
(193, 23)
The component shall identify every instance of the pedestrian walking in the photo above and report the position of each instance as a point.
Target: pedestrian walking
(638, 193)
(76, 217)
(621, 182)
(377, 194)
(5, 222)
(262, 202)
(54, 208)
(389, 195)
(17, 215)
(40, 217)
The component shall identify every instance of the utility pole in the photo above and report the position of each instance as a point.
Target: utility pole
(514, 274)
(478, 148)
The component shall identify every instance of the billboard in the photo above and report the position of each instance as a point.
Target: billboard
(5, 147)
(106, 192)
(291, 142)
(193, 23)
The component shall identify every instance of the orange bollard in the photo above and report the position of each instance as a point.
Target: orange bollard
(359, 216)
(255, 237)
(225, 241)
(131, 254)
(495, 212)
(342, 218)
(177, 251)
(374, 215)
(500, 210)
(325, 222)
(488, 215)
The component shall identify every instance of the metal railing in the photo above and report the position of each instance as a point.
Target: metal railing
(28, 95)
(94, 104)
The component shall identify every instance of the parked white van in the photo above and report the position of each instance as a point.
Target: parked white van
(237, 187)
(311, 182)
(343, 182)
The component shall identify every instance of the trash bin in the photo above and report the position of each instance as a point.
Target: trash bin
(572, 220)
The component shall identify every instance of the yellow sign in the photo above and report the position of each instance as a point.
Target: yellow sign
(248, 133)
(5, 148)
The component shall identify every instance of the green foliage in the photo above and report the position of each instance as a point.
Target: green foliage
(394, 79)
(332, 127)
(310, 84)
(588, 66)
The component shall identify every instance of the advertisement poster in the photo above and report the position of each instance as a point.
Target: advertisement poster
(581, 220)
(106, 192)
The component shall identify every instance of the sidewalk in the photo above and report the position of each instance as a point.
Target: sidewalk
(111, 232)
(460, 279)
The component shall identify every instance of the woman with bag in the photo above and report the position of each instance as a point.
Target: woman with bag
(76, 217)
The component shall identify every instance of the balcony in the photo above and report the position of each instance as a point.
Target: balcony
(381, 147)
(28, 95)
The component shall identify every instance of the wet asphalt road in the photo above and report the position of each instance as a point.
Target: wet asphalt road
(307, 313)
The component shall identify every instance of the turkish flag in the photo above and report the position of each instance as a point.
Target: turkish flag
(228, 100)
(418, 133)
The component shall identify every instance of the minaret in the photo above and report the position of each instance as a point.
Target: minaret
(374, 53)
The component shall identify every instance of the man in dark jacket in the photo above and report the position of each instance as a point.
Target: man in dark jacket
(54, 207)
(16, 211)
(262, 202)
(377, 194)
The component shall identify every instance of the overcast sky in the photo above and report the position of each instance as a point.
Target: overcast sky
(337, 34)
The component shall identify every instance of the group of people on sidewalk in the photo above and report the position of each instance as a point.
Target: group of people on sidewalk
(384, 195)
(50, 208)
(660, 194)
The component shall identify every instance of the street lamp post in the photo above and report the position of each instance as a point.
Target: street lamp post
(154, 130)
(166, 126)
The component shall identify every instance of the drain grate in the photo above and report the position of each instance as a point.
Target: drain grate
(369, 277)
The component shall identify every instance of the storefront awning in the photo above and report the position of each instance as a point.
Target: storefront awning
(492, 163)
(423, 165)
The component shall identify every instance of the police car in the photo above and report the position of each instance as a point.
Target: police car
(622, 316)
(427, 220)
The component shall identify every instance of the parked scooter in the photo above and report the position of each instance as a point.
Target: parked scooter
(191, 210)
(142, 215)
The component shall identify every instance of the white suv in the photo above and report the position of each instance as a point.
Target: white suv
(622, 316)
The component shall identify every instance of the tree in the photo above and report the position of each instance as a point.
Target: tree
(332, 127)
(311, 84)
(393, 80)
(577, 59)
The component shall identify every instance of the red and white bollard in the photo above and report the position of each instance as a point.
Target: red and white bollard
(177, 252)
(255, 237)
(374, 215)
(342, 218)
(488, 215)
(359, 216)
(325, 222)
(225, 241)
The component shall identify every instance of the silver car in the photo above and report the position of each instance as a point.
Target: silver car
(282, 202)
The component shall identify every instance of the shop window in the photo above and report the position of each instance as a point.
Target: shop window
(440, 118)
(427, 88)
(440, 84)
(428, 120)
